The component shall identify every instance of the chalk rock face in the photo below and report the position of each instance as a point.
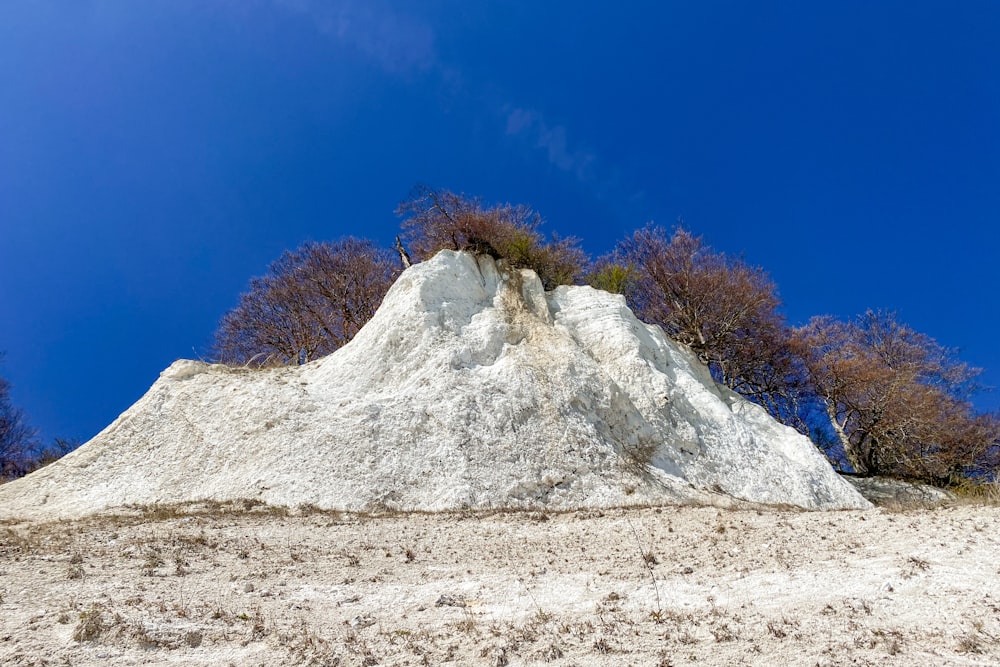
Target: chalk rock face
(470, 388)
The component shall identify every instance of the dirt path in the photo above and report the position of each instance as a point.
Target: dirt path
(236, 587)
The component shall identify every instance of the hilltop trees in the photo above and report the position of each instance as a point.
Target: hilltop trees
(724, 309)
(21, 451)
(885, 398)
(17, 438)
(879, 397)
(439, 219)
(310, 302)
(895, 399)
(315, 299)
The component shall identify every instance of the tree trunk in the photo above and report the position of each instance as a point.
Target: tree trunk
(845, 442)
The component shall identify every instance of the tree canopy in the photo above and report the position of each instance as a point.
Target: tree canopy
(878, 397)
(896, 399)
(310, 302)
(724, 309)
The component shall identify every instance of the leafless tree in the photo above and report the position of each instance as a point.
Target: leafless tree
(43, 455)
(17, 437)
(439, 219)
(896, 400)
(311, 302)
(724, 309)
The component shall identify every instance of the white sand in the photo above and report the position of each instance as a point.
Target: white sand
(732, 587)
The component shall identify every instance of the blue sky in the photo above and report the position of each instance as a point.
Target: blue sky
(155, 155)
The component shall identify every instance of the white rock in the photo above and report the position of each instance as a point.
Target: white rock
(470, 388)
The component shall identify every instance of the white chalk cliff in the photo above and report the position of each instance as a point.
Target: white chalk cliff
(470, 388)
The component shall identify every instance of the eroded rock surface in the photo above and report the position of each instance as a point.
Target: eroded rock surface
(470, 388)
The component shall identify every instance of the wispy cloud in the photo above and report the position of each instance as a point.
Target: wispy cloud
(530, 125)
(403, 44)
(604, 181)
(397, 42)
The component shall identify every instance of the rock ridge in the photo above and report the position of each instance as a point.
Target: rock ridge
(470, 388)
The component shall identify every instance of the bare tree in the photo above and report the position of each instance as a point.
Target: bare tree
(723, 308)
(43, 455)
(311, 302)
(438, 219)
(17, 437)
(896, 400)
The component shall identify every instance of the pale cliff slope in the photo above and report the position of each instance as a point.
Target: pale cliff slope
(470, 388)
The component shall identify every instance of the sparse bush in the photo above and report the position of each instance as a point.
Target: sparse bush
(153, 560)
(979, 491)
(90, 625)
(180, 564)
(777, 630)
(438, 219)
(612, 275)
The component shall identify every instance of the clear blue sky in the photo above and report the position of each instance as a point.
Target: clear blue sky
(155, 155)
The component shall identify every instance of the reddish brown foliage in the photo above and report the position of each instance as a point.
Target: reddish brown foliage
(896, 399)
(311, 302)
(439, 219)
(723, 308)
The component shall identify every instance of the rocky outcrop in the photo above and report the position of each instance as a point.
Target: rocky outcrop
(897, 493)
(470, 388)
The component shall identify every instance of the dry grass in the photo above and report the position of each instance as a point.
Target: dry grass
(985, 493)
(241, 584)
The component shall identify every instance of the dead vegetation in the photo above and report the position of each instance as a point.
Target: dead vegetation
(241, 583)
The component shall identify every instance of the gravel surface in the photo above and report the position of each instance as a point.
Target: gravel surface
(245, 584)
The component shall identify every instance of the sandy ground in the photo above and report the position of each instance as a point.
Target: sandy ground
(240, 585)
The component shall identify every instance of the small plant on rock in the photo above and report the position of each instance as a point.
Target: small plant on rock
(90, 626)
